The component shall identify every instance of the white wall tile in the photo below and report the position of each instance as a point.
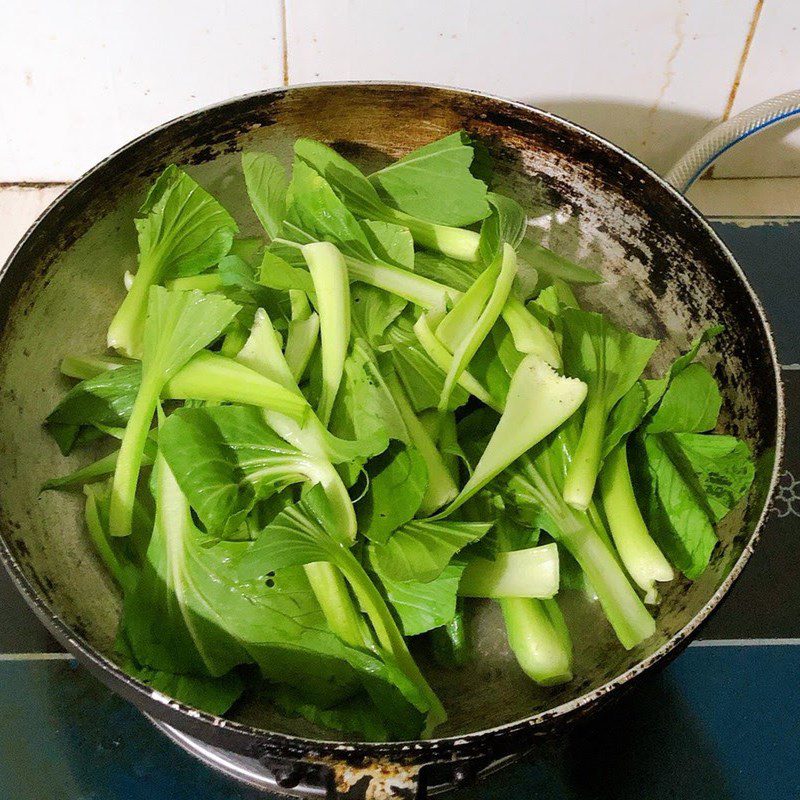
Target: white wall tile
(19, 208)
(79, 78)
(651, 75)
(772, 68)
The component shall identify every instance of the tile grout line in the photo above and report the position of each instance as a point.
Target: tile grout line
(33, 185)
(36, 657)
(755, 642)
(284, 44)
(788, 642)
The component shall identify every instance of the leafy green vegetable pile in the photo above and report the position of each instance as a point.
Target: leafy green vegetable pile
(393, 404)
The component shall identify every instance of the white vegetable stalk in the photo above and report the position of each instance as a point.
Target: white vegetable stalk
(332, 289)
(639, 553)
(538, 401)
(519, 573)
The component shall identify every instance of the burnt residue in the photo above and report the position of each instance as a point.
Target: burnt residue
(680, 278)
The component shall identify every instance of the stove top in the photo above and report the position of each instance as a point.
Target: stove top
(720, 722)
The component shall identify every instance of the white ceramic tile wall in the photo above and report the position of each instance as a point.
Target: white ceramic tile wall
(79, 78)
(773, 67)
(19, 208)
(649, 75)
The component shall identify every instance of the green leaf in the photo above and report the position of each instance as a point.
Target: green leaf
(357, 715)
(422, 379)
(366, 408)
(434, 183)
(555, 267)
(180, 324)
(373, 311)
(691, 403)
(459, 275)
(321, 216)
(687, 482)
(106, 399)
(212, 695)
(722, 465)
(626, 416)
(346, 180)
(690, 355)
(675, 508)
(240, 284)
(97, 470)
(401, 703)
(266, 183)
(248, 248)
(398, 479)
(511, 533)
(390, 243)
(421, 607)
(193, 613)
(608, 359)
(182, 226)
(277, 273)
(303, 534)
(226, 458)
(420, 550)
(295, 537)
(505, 225)
(315, 214)
(654, 389)
(183, 231)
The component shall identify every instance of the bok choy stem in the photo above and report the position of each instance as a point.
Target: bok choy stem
(639, 553)
(388, 633)
(539, 646)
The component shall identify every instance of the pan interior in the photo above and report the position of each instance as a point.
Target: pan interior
(666, 277)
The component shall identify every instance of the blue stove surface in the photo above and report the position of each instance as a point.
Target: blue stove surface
(721, 722)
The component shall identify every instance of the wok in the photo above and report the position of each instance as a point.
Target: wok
(667, 275)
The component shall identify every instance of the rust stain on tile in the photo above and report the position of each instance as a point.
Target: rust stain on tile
(737, 78)
(743, 59)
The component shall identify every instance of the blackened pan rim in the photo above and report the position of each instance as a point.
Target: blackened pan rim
(465, 744)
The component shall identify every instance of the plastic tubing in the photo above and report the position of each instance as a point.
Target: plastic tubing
(720, 139)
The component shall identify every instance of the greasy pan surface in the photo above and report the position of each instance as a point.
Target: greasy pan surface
(667, 275)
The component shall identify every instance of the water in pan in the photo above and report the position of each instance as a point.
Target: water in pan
(660, 268)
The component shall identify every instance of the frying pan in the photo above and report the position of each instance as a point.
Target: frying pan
(667, 275)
